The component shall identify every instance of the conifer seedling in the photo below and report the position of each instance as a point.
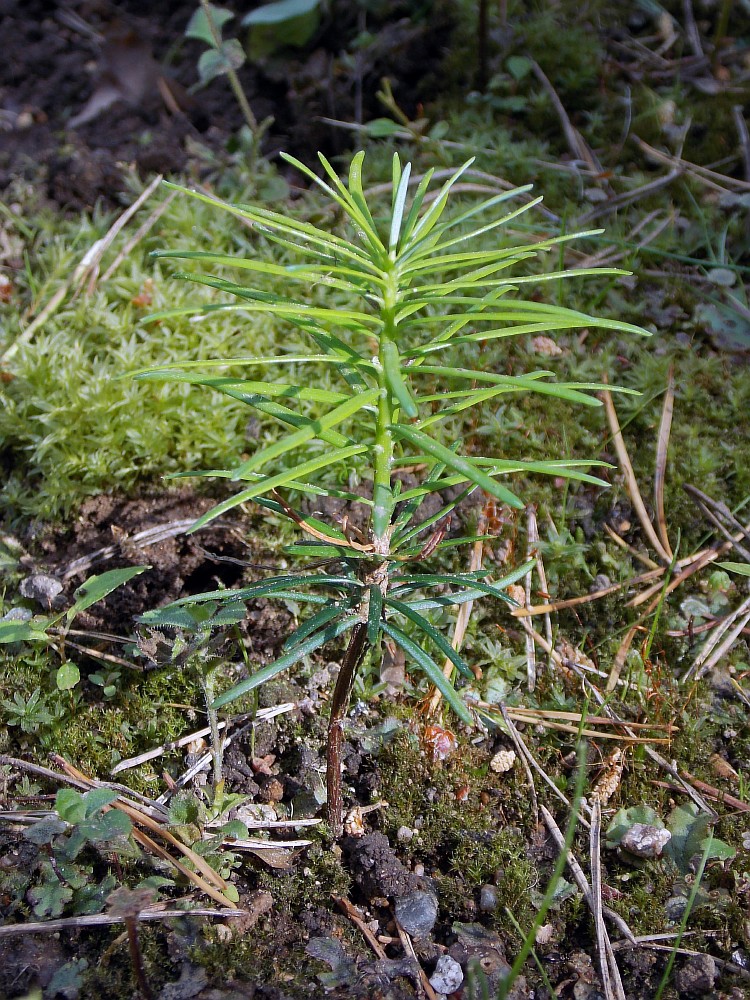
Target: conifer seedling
(404, 299)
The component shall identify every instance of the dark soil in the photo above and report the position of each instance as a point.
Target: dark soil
(59, 54)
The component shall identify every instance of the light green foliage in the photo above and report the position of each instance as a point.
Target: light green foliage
(405, 297)
(221, 55)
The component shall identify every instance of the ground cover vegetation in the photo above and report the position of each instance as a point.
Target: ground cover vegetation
(536, 664)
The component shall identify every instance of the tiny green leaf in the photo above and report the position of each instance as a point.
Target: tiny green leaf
(67, 676)
(96, 588)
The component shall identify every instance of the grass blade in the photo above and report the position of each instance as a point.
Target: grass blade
(430, 668)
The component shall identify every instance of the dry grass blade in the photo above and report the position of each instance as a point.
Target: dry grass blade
(523, 754)
(662, 447)
(708, 177)
(528, 756)
(620, 656)
(579, 876)
(105, 919)
(142, 819)
(720, 642)
(571, 602)
(638, 556)
(570, 722)
(533, 543)
(610, 974)
(721, 517)
(576, 143)
(610, 255)
(139, 234)
(150, 845)
(263, 714)
(631, 482)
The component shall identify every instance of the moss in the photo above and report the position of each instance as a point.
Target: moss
(317, 876)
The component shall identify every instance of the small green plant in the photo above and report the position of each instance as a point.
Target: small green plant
(19, 625)
(223, 56)
(406, 296)
(198, 646)
(80, 821)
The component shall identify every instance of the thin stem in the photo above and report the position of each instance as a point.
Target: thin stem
(217, 741)
(234, 80)
(131, 925)
(353, 657)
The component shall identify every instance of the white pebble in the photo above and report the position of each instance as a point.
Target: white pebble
(448, 976)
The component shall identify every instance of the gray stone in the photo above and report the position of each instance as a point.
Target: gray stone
(417, 912)
(645, 840)
(17, 615)
(488, 899)
(41, 588)
(448, 975)
(697, 976)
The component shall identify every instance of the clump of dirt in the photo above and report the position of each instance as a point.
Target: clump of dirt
(132, 62)
(109, 532)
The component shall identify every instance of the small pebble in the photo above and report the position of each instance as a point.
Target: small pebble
(503, 761)
(488, 899)
(404, 834)
(448, 976)
(41, 588)
(697, 976)
(646, 841)
(417, 913)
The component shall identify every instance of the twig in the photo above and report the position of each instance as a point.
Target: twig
(353, 914)
(104, 919)
(409, 949)
(576, 143)
(262, 715)
(610, 974)
(715, 648)
(660, 465)
(630, 480)
(138, 235)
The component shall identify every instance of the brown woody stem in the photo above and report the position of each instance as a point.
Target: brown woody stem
(353, 657)
(131, 926)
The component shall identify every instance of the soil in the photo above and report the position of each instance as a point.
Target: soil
(60, 54)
